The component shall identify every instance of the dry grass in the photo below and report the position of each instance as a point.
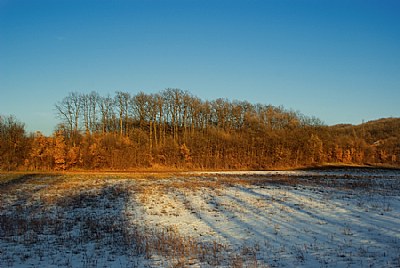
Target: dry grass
(55, 212)
(62, 210)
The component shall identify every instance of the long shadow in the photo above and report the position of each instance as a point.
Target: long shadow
(261, 214)
(342, 221)
(88, 226)
(238, 224)
(257, 232)
(17, 180)
(79, 227)
(332, 223)
(218, 228)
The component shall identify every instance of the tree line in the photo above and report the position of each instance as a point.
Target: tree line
(175, 129)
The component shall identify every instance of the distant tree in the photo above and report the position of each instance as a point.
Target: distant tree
(60, 151)
(69, 111)
(13, 143)
(41, 154)
(97, 154)
(122, 100)
(140, 103)
(185, 153)
(106, 105)
(315, 146)
(93, 111)
(173, 99)
(173, 128)
(72, 157)
(89, 107)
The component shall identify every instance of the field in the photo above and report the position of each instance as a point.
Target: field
(318, 218)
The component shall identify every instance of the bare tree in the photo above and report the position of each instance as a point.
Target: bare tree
(122, 100)
(69, 111)
(106, 105)
(85, 106)
(139, 105)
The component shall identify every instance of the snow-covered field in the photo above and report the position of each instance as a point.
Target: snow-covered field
(329, 218)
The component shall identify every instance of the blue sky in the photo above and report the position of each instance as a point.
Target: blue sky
(336, 60)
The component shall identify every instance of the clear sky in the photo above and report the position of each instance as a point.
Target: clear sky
(338, 60)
